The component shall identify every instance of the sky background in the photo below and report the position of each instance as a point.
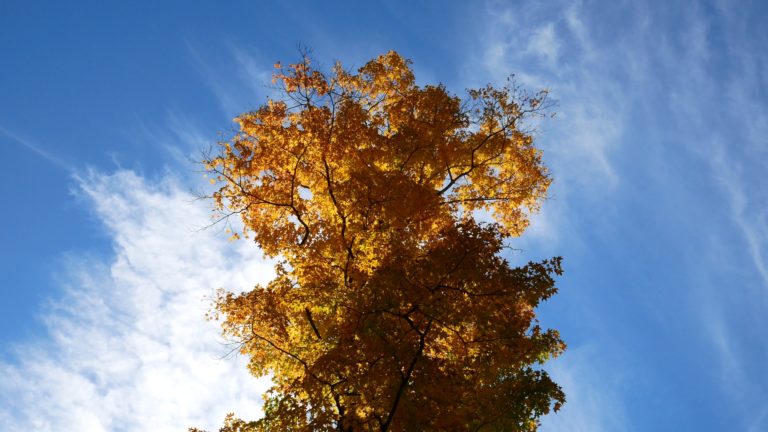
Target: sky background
(659, 205)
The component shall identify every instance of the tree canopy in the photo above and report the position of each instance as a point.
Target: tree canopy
(392, 309)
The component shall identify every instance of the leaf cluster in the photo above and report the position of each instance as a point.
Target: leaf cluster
(392, 308)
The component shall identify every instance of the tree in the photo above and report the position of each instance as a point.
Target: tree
(392, 309)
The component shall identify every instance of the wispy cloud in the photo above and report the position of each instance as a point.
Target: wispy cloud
(128, 347)
(669, 91)
(35, 148)
(544, 43)
(254, 72)
(238, 78)
(181, 136)
(746, 210)
(737, 162)
(721, 110)
(594, 402)
(551, 46)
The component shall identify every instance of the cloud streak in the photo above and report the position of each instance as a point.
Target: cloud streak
(238, 79)
(38, 150)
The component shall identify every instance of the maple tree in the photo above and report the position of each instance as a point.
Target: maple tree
(392, 309)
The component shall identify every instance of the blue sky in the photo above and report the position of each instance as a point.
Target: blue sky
(659, 205)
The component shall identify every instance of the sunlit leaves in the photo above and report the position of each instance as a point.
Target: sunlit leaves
(392, 308)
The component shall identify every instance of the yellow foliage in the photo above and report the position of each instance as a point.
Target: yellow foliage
(391, 309)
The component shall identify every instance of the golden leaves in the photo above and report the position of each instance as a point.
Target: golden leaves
(392, 309)
(354, 141)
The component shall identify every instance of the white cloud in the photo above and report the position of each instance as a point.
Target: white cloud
(746, 211)
(736, 169)
(559, 53)
(722, 112)
(128, 346)
(578, 29)
(592, 396)
(544, 43)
